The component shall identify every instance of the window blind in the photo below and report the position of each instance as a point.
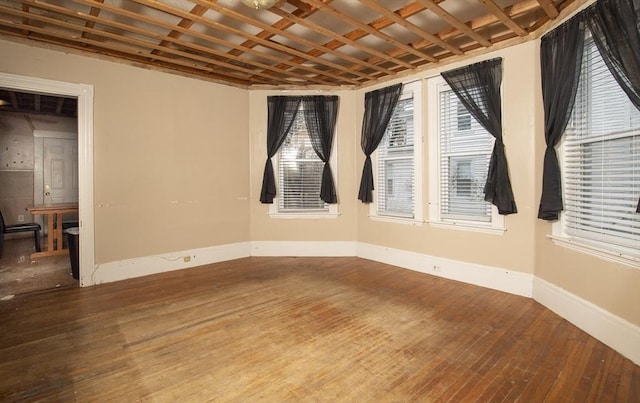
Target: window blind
(299, 171)
(465, 150)
(602, 158)
(396, 166)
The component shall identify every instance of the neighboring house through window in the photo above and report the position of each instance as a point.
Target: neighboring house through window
(459, 153)
(398, 159)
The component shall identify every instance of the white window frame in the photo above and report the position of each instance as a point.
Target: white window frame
(436, 85)
(332, 209)
(600, 249)
(409, 89)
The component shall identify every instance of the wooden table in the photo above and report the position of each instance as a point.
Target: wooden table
(54, 212)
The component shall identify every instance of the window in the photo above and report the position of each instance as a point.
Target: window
(600, 157)
(299, 174)
(460, 150)
(398, 161)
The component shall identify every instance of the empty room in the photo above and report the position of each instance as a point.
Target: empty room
(317, 200)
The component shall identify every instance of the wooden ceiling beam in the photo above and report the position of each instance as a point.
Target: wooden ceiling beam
(548, 7)
(25, 20)
(346, 41)
(197, 42)
(119, 53)
(374, 5)
(304, 11)
(482, 22)
(367, 28)
(383, 22)
(185, 23)
(503, 17)
(453, 21)
(94, 11)
(212, 39)
(134, 51)
(242, 18)
(267, 43)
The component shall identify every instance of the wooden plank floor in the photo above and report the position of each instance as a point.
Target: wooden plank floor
(300, 329)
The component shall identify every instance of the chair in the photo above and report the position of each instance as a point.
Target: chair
(22, 227)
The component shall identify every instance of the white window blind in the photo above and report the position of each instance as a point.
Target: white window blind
(602, 159)
(299, 172)
(465, 150)
(396, 166)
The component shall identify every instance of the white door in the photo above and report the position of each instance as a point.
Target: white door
(60, 170)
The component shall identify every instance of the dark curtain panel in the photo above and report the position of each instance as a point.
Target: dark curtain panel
(560, 58)
(281, 114)
(320, 114)
(615, 29)
(378, 109)
(478, 88)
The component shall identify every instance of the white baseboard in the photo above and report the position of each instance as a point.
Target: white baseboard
(144, 266)
(615, 332)
(303, 248)
(489, 277)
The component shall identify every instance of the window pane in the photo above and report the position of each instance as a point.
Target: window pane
(395, 160)
(465, 149)
(602, 159)
(300, 171)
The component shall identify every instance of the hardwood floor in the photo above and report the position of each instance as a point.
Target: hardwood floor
(19, 274)
(300, 329)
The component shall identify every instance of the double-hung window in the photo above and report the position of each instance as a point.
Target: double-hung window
(398, 190)
(299, 174)
(459, 153)
(600, 158)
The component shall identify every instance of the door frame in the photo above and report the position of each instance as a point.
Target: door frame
(84, 94)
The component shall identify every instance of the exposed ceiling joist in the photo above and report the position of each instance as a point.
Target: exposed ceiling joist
(294, 44)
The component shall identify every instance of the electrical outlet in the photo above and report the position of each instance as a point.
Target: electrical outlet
(21, 218)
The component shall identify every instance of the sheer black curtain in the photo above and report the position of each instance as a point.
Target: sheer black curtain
(478, 88)
(320, 114)
(281, 114)
(615, 30)
(378, 109)
(561, 58)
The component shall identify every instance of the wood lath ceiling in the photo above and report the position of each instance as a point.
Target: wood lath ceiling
(296, 43)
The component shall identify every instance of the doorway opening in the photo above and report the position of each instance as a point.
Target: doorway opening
(83, 94)
(38, 165)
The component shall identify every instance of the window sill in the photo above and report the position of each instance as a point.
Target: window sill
(397, 220)
(467, 227)
(305, 216)
(596, 250)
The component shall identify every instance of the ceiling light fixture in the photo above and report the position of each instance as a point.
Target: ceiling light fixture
(258, 4)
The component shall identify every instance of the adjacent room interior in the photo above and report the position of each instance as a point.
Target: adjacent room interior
(244, 235)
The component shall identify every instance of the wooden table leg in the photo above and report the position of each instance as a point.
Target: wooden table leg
(51, 232)
(59, 231)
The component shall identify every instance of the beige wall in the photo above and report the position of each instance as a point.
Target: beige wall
(342, 228)
(170, 154)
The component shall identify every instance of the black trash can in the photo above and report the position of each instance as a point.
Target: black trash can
(73, 237)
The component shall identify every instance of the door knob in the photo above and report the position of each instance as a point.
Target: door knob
(47, 194)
